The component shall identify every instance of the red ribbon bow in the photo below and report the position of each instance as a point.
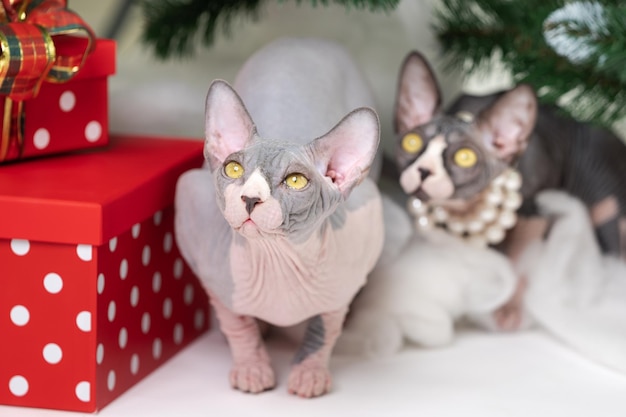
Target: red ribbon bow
(28, 54)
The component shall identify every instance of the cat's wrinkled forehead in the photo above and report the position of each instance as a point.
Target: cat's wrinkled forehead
(273, 154)
(452, 132)
(452, 128)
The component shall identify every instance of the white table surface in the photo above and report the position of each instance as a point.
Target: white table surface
(525, 374)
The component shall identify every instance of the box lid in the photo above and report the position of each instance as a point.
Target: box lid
(90, 197)
(99, 63)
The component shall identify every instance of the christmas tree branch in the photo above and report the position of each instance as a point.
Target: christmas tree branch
(173, 27)
(572, 52)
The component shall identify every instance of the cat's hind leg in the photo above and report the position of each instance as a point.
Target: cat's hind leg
(370, 333)
(251, 371)
(310, 376)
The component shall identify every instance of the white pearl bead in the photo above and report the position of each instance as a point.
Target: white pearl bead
(423, 223)
(488, 214)
(514, 181)
(440, 214)
(507, 219)
(475, 226)
(494, 234)
(512, 201)
(416, 206)
(456, 226)
(494, 198)
(498, 181)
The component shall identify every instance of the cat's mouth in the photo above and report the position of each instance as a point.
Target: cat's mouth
(249, 228)
(422, 195)
(248, 224)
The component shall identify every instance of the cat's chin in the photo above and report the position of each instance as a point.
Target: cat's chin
(250, 230)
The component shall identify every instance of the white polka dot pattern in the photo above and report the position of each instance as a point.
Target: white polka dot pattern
(53, 283)
(83, 391)
(99, 353)
(134, 296)
(145, 256)
(66, 116)
(157, 349)
(113, 244)
(93, 131)
(83, 321)
(18, 385)
(52, 353)
(67, 101)
(123, 338)
(140, 307)
(111, 380)
(20, 247)
(101, 282)
(65, 304)
(123, 269)
(153, 316)
(145, 323)
(20, 315)
(84, 252)
(41, 138)
(111, 311)
(134, 364)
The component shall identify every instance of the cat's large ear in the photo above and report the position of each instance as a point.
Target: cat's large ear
(418, 96)
(345, 154)
(507, 124)
(228, 126)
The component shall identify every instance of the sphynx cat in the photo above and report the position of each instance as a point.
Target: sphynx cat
(283, 223)
(452, 158)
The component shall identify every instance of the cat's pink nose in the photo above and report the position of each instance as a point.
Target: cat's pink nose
(251, 202)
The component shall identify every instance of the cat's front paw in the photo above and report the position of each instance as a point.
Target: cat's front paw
(513, 315)
(252, 377)
(309, 381)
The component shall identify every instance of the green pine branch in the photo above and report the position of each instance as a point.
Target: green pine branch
(585, 64)
(174, 27)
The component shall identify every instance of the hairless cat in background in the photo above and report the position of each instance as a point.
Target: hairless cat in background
(476, 168)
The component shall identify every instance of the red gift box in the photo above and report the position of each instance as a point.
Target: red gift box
(95, 294)
(63, 116)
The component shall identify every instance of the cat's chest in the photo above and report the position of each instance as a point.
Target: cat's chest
(285, 283)
(279, 283)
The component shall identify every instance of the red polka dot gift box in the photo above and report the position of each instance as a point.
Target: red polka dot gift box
(95, 294)
(63, 116)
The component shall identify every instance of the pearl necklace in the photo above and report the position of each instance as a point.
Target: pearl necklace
(486, 223)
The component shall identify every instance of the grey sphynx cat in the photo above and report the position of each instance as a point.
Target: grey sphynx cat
(284, 224)
(458, 152)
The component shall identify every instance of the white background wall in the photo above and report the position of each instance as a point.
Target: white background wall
(167, 97)
(151, 96)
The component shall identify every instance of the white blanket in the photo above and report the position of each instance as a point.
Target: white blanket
(425, 284)
(574, 291)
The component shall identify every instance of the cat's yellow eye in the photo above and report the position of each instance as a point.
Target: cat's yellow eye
(412, 143)
(233, 170)
(465, 158)
(296, 181)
